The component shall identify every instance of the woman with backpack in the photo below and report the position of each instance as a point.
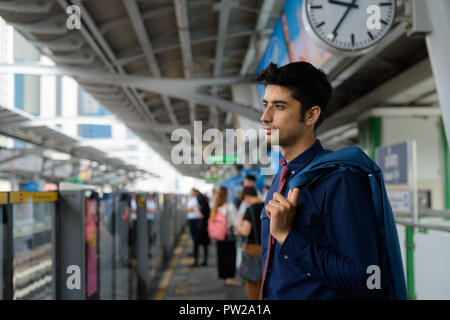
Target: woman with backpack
(226, 249)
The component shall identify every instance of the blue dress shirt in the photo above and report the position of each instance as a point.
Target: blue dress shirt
(333, 241)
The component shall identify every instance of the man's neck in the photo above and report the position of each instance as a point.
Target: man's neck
(298, 148)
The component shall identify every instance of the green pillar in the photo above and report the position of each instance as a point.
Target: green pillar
(446, 168)
(409, 244)
(369, 136)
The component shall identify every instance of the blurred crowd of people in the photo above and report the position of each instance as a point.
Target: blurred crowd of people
(243, 229)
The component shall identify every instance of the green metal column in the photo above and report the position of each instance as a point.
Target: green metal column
(369, 137)
(446, 168)
(409, 244)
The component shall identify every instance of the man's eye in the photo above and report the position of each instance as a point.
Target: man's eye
(278, 106)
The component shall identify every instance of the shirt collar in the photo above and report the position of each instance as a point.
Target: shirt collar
(299, 162)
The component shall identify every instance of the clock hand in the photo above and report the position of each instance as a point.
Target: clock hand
(343, 17)
(343, 4)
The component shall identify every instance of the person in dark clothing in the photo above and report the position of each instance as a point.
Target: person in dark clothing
(250, 228)
(202, 237)
(133, 225)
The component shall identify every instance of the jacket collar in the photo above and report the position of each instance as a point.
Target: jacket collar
(299, 162)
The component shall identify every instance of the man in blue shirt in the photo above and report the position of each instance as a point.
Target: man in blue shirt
(323, 240)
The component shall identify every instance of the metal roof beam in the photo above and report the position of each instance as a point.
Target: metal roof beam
(149, 14)
(99, 37)
(26, 6)
(137, 102)
(17, 156)
(185, 42)
(197, 37)
(178, 88)
(144, 40)
(225, 7)
(261, 24)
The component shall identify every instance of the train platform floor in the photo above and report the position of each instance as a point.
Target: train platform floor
(182, 282)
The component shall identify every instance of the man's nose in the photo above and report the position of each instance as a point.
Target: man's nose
(267, 115)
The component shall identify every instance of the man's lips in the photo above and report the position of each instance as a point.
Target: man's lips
(268, 130)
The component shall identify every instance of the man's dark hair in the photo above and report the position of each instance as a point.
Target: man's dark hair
(249, 191)
(250, 177)
(309, 85)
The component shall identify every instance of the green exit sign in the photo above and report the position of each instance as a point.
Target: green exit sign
(223, 159)
(211, 179)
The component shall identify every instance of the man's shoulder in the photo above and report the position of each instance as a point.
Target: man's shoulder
(337, 177)
(346, 183)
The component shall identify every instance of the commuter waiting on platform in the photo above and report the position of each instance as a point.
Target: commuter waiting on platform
(250, 228)
(328, 231)
(151, 211)
(202, 237)
(132, 230)
(249, 181)
(226, 249)
(194, 217)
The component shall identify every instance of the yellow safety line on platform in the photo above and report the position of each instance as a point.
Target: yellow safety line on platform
(168, 275)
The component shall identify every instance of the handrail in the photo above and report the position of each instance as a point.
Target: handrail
(424, 226)
(436, 213)
(424, 213)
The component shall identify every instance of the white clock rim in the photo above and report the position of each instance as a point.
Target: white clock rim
(340, 51)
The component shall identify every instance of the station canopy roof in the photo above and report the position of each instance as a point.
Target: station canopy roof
(161, 64)
(21, 125)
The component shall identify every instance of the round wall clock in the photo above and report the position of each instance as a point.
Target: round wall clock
(348, 27)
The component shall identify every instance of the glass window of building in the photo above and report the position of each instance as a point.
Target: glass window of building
(94, 131)
(26, 87)
(88, 106)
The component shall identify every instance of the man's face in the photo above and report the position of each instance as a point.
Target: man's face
(282, 112)
(193, 193)
(248, 183)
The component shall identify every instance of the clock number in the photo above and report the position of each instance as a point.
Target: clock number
(374, 19)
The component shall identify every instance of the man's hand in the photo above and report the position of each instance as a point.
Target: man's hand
(281, 212)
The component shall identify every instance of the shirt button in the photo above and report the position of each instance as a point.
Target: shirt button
(286, 257)
(293, 172)
(308, 274)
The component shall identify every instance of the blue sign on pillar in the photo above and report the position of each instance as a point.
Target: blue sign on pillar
(394, 162)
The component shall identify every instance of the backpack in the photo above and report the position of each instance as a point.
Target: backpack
(217, 227)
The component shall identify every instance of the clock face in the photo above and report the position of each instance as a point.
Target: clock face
(348, 26)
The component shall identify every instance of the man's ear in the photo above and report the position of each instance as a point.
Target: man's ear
(312, 115)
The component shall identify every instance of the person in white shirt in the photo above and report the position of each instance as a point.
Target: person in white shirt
(133, 225)
(194, 217)
(133, 205)
(151, 211)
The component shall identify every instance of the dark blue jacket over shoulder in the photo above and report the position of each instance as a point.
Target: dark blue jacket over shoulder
(344, 229)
